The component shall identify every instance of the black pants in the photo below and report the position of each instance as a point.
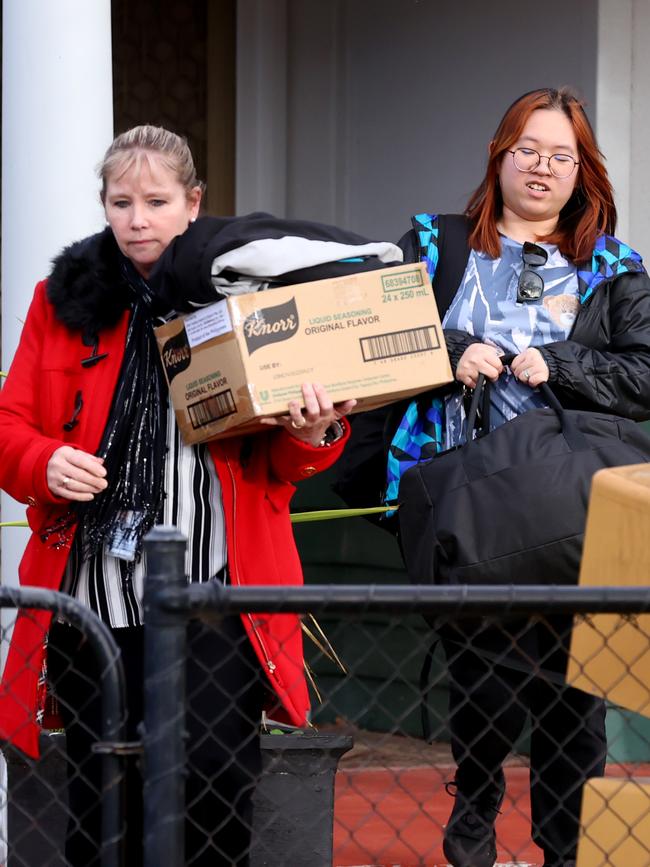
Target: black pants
(489, 705)
(225, 694)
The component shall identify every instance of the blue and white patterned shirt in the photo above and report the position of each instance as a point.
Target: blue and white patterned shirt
(486, 307)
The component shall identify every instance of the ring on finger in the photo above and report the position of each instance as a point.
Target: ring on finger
(65, 482)
(526, 374)
(297, 426)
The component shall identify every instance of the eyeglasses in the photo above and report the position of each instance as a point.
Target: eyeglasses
(559, 165)
(531, 285)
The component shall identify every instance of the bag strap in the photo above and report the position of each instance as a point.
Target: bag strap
(570, 430)
(472, 459)
(453, 252)
(480, 395)
(441, 242)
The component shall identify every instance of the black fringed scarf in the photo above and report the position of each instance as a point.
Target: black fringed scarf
(90, 287)
(133, 444)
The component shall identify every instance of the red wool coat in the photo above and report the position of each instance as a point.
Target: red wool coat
(37, 399)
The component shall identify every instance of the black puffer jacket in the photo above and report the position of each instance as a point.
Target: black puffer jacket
(604, 366)
(605, 363)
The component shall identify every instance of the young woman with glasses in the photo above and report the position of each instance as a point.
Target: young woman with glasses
(545, 281)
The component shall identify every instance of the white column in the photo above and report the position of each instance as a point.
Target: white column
(640, 165)
(613, 100)
(622, 116)
(261, 138)
(57, 105)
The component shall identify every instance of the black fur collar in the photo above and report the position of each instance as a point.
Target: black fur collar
(87, 286)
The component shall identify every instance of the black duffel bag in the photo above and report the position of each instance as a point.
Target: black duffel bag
(509, 506)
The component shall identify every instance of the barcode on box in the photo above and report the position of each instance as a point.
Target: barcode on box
(211, 408)
(400, 343)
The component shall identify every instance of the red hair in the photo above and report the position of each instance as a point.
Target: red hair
(589, 212)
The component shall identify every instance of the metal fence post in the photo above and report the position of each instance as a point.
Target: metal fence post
(164, 703)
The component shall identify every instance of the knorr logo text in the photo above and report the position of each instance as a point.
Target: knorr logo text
(270, 325)
(176, 354)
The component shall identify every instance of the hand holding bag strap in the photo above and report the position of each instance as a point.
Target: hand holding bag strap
(572, 433)
(550, 399)
(473, 462)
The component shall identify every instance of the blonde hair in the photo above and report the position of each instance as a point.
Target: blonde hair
(136, 145)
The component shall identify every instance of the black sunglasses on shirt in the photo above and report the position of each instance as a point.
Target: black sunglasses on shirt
(530, 286)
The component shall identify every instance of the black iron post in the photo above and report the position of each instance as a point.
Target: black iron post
(164, 702)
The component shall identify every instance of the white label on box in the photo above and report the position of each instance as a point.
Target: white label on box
(205, 324)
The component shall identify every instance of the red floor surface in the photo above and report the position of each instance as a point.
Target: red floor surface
(394, 818)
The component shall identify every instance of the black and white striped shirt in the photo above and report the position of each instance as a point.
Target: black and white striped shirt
(193, 504)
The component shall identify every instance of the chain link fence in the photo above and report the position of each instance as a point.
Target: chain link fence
(36, 794)
(445, 730)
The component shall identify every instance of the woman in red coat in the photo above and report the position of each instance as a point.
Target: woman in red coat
(88, 441)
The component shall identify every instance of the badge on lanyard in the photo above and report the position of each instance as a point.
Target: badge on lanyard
(124, 540)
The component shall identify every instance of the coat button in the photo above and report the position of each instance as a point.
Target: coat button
(308, 471)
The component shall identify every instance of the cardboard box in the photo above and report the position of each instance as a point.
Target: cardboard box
(610, 653)
(615, 823)
(374, 336)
